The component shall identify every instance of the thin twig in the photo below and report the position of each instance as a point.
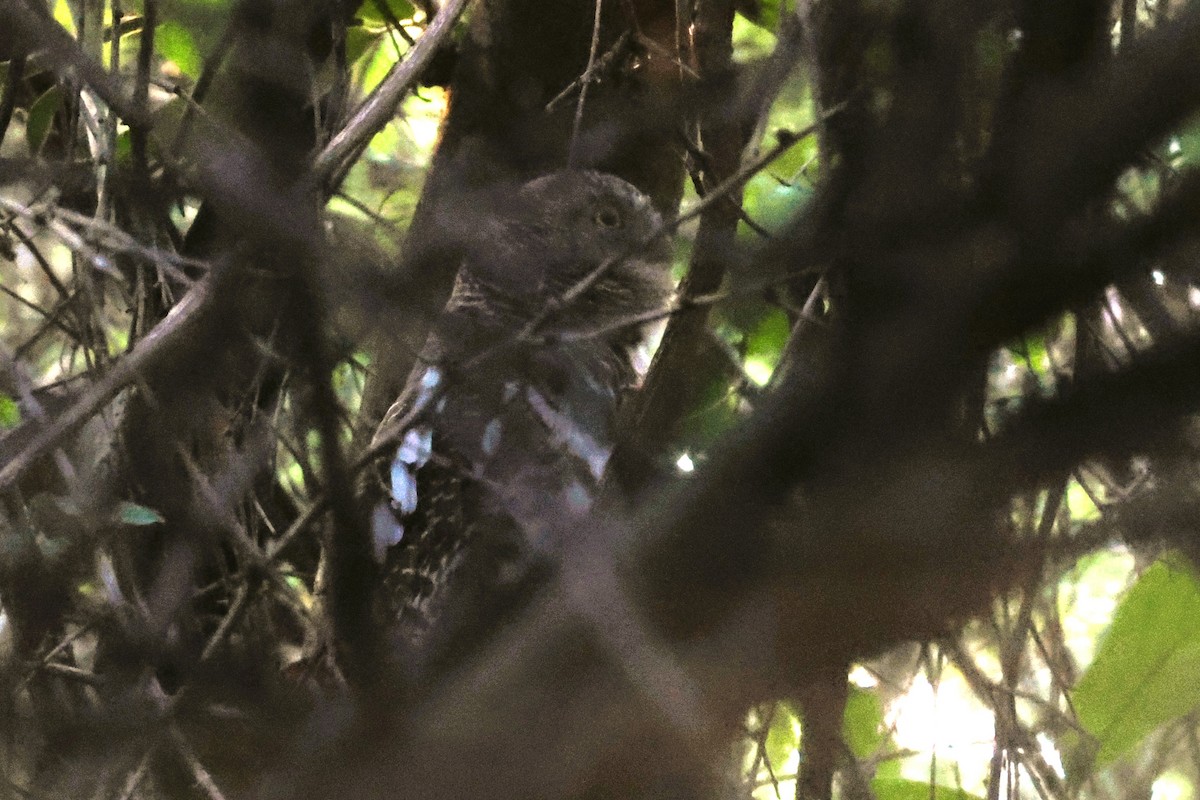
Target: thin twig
(201, 775)
(208, 72)
(784, 141)
(375, 112)
(141, 96)
(235, 532)
(382, 443)
(573, 151)
(161, 341)
(34, 25)
(136, 776)
(589, 75)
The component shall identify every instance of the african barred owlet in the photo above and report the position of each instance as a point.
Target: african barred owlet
(502, 437)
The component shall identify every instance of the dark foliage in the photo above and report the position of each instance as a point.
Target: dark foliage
(190, 565)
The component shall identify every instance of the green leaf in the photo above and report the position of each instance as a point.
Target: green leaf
(177, 45)
(10, 412)
(134, 514)
(359, 40)
(900, 789)
(1080, 504)
(41, 118)
(63, 15)
(772, 204)
(783, 738)
(862, 724)
(1145, 671)
(400, 10)
(764, 345)
(764, 13)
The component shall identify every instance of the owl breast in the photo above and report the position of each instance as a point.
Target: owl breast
(502, 441)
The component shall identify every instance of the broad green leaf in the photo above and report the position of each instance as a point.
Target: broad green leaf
(772, 204)
(359, 40)
(63, 15)
(1185, 148)
(783, 738)
(41, 118)
(862, 725)
(123, 148)
(10, 412)
(762, 12)
(1080, 504)
(176, 44)
(375, 66)
(764, 344)
(900, 789)
(134, 514)
(1037, 354)
(369, 11)
(1145, 672)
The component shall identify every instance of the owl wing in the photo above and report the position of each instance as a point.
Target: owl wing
(494, 461)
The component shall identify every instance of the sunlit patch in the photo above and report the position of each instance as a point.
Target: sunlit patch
(861, 677)
(423, 117)
(1080, 504)
(1194, 297)
(1050, 754)
(1088, 597)
(758, 371)
(1174, 147)
(948, 721)
(1158, 277)
(685, 463)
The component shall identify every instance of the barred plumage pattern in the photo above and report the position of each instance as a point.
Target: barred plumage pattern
(503, 441)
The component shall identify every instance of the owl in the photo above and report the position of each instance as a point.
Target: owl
(505, 425)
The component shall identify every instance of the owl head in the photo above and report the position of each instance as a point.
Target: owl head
(551, 232)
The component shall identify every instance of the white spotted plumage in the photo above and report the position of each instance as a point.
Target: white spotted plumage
(506, 440)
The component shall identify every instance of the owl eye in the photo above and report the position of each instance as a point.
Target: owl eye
(608, 217)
